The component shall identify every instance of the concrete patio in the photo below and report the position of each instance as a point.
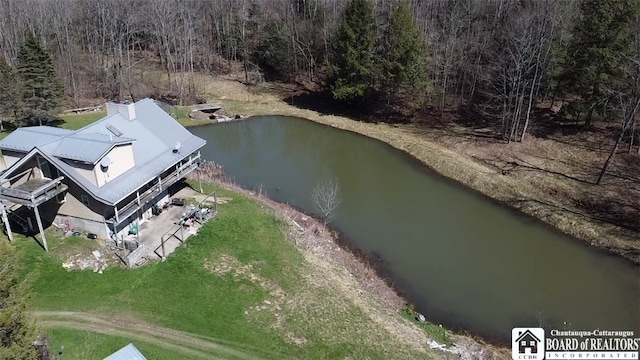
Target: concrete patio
(166, 226)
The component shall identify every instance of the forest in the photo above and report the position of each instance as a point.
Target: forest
(507, 74)
(493, 62)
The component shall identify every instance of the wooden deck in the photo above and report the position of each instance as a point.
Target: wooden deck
(33, 192)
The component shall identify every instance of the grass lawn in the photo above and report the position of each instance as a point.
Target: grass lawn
(77, 121)
(181, 113)
(238, 284)
(82, 345)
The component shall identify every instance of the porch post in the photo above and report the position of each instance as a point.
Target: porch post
(5, 219)
(160, 183)
(44, 239)
(162, 240)
(115, 208)
(138, 196)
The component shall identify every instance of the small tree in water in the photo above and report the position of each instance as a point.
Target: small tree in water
(326, 198)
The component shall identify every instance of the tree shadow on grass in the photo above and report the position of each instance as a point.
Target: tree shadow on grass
(613, 210)
(370, 109)
(323, 103)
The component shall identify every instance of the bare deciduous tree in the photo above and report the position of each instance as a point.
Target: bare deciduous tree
(627, 104)
(326, 198)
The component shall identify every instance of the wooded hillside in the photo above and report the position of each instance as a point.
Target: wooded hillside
(496, 63)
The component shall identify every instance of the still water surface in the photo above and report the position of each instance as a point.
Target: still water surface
(465, 261)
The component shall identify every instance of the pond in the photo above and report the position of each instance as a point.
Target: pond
(463, 260)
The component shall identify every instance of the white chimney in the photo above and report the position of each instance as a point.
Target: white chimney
(126, 110)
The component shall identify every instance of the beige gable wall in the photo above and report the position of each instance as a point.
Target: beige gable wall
(11, 157)
(86, 170)
(121, 160)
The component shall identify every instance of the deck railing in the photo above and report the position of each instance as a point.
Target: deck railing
(24, 196)
(180, 172)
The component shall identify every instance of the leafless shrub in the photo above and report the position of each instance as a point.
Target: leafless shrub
(326, 198)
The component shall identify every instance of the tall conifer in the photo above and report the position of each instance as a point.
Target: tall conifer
(601, 42)
(352, 70)
(42, 89)
(9, 95)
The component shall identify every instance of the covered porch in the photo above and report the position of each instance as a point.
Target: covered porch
(160, 235)
(146, 197)
(31, 193)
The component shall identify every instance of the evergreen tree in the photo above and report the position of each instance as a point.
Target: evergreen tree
(17, 333)
(352, 70)
(403, 56)
(275, 52)
(10, 94)
(601, 41)
(42, 89)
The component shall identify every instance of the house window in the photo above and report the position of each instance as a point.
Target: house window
(532, 343)
(85, 200)
(46, 169)
(523, 343)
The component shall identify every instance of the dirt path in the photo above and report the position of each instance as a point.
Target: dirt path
(134, 329)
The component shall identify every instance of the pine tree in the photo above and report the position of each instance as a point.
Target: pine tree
(17, 333)
(352, 70)
(42, 89)
(601, 41)
(275, 52)
(403, 56)
(10, 94)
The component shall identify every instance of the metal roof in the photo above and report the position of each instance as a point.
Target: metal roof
(129, 352)
(26, 138)
(88, 148)
(153, 134)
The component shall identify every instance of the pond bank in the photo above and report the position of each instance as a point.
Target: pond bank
(321, 246)
(542, 194)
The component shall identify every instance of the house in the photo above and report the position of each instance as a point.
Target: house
(129, 352)
(99, 179)
(527, 341)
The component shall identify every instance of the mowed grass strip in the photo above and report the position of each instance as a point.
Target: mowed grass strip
(71, 344)
(238, 283)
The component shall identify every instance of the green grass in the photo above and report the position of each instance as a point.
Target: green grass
(182, 294)
(66, 344)
(77, 121)
(71, 121)
(437, 333)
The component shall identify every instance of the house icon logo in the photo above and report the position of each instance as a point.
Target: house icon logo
(527, 343)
